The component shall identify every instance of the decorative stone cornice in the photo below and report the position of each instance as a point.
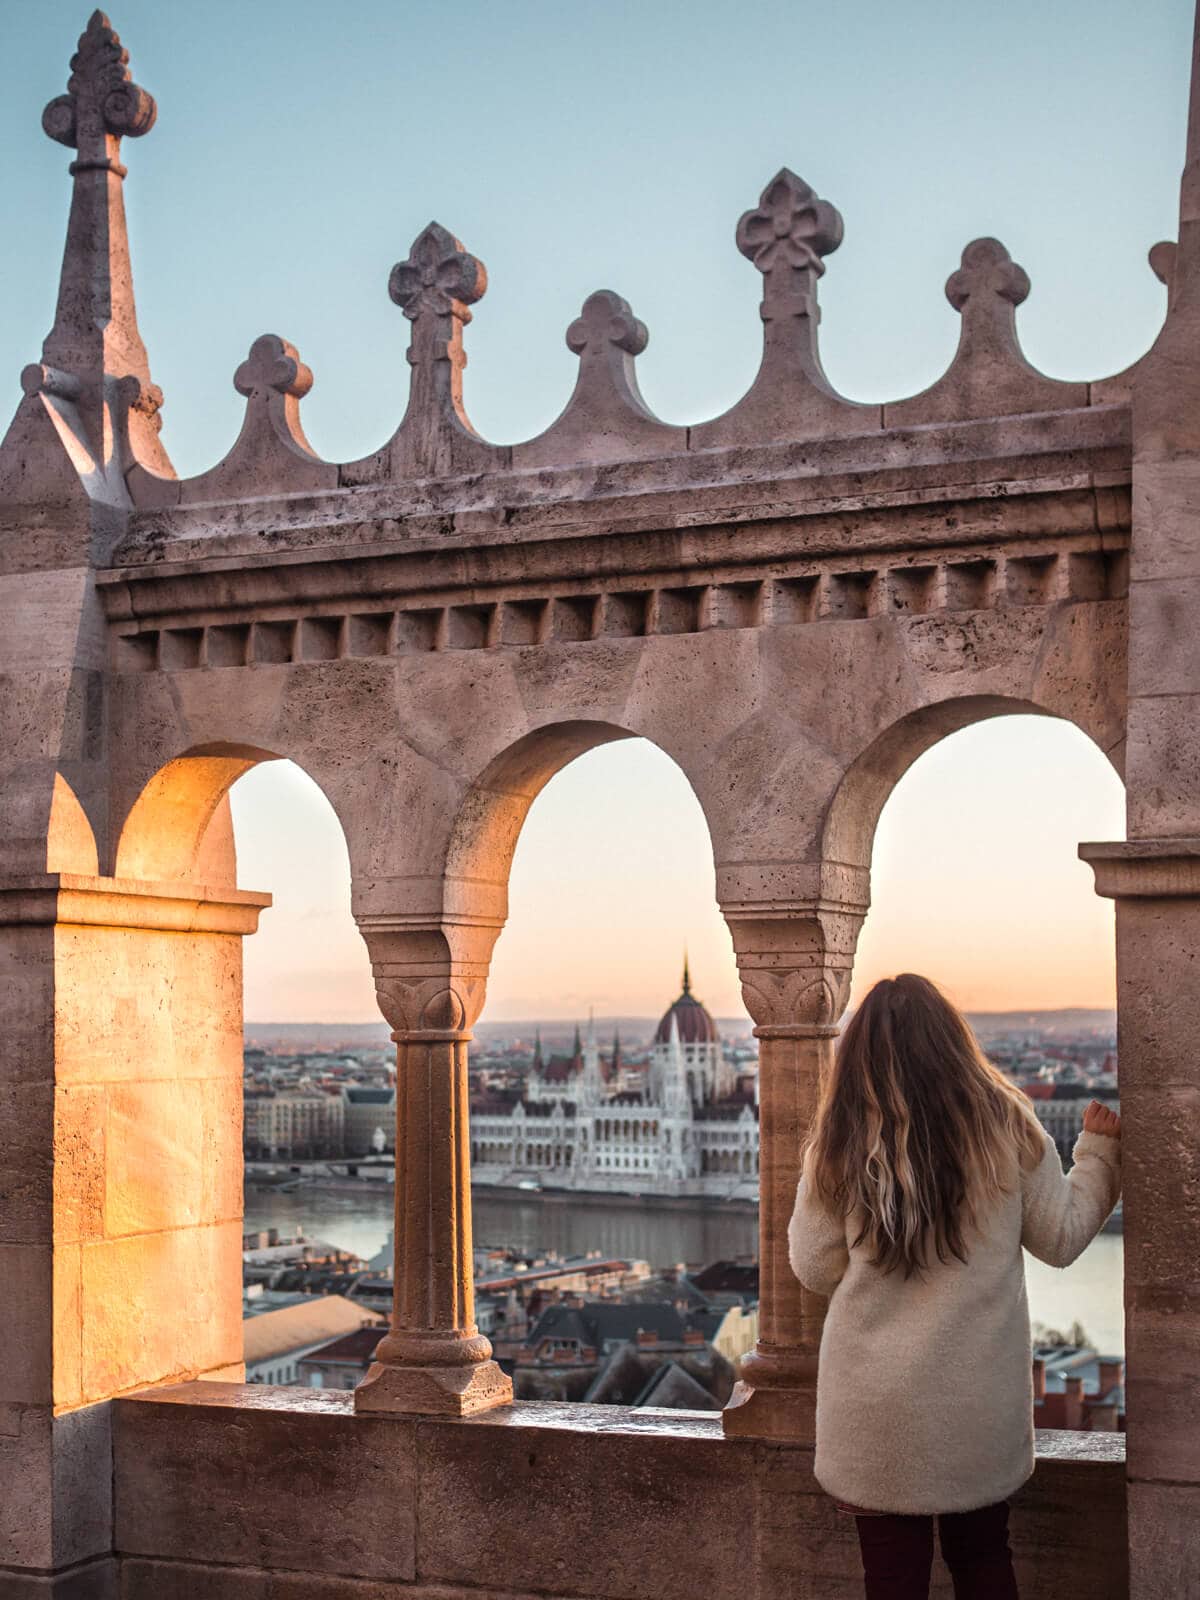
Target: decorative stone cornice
(55, 898)
(1145, 868)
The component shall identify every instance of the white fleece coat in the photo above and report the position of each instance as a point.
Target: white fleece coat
(925, 1387)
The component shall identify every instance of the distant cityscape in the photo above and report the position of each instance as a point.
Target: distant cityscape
(662, 1114)
(667, 1108)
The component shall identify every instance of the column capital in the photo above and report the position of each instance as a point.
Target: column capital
(795, 963)
(1145, 868)
(430, 978)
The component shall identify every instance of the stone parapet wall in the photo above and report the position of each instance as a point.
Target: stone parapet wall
(224, 1492)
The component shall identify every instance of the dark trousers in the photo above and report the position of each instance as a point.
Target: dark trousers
(897, 1554)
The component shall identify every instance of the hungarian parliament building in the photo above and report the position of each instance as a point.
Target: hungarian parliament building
(685, 1125)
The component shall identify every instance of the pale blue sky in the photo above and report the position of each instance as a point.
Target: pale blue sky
(299, 150)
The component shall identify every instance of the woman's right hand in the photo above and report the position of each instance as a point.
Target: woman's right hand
(1099, 1119)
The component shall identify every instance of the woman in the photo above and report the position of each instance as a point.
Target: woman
(924, 1173)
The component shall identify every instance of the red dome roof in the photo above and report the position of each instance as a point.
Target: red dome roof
(692, 1019)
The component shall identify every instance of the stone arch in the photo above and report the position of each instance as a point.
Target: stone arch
(179, 827)
(866, 785)
(70, 839)
(493, 811)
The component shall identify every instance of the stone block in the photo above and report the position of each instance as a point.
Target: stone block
(160, 1306)
(1161, 1177)
(27, 983)
(1164, 1553)
(153, 1158)
(26, 1164)
(1163, 1383)
(26, 1320)
(287, 1479)
(503, 1500)
(79, 1162)
(1164, 656)
(171, 1003)
(1162, 767)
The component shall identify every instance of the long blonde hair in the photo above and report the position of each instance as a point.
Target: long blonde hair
(916, 1131)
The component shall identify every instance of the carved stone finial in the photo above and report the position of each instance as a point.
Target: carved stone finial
(102, 104)
(989, 376)
(787, 236)
(606, 320)
(987, 269)
(434, 288)
(440, 278)
(606, 418)
(273, 365)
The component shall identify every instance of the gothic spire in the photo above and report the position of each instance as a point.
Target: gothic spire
(687, 977)
(94, 353)
(537, 1050)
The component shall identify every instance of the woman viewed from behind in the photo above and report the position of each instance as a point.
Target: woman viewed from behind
(924, 1173)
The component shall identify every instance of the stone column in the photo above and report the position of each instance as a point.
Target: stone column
(795, 968)
(1156, 886)
(430, 984)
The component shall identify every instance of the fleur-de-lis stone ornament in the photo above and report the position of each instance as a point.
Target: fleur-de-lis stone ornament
(606, 320)
(439, 279)
(273, 365)
(989, 375)
(606, 418)
(434, 288)
(787, 237)
(988, 283)
(102, 105)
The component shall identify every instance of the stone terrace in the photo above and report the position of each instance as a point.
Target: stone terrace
(432, 632)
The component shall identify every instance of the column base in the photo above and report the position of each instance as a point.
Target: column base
(785, 1414)
(442, 1391)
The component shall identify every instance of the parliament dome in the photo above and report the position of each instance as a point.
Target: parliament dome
(692, 1018)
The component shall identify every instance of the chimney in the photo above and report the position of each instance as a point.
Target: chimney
(1073, 1406)
(646, 1336)
(693, 1336)
(1112, 1373)
(1039, 1378)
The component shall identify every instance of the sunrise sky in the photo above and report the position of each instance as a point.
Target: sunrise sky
(299, 150)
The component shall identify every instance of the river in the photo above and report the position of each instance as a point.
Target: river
(1088, 1292)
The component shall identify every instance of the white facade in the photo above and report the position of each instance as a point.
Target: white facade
(687, 1133)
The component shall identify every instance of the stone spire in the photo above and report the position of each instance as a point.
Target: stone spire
(687, 977)
(94, 355)
(537, 1050)
(1185, 273)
